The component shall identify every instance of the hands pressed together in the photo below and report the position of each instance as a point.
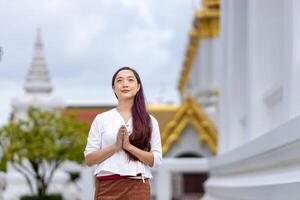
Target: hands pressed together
(122, 140)
(123, 143)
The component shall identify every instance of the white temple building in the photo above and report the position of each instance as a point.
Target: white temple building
(243, 66)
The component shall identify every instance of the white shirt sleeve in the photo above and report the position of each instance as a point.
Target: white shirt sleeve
(94, 137)
(156, 143)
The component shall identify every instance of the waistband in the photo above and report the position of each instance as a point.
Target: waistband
(116, 177)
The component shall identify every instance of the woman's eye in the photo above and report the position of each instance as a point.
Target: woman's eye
(118, 81)
(131, 80)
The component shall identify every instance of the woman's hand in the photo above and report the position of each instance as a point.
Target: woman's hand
(119, 139)
(144, 156)
(126, 142)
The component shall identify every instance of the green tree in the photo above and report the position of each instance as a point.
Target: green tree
(38, 145)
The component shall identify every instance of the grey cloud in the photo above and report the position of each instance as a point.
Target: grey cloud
(86, 41)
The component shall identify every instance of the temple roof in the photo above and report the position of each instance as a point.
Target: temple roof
(189, 112)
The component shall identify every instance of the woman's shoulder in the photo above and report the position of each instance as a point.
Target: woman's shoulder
(154, 123)
(153, 119)
(105, 114)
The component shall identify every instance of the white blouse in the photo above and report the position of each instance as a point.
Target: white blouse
(103, 133)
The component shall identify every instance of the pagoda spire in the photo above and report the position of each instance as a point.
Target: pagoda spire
(37, 80)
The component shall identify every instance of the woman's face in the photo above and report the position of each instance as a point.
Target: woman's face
(126, 85)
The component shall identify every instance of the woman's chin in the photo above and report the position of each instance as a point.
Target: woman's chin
(126, 97)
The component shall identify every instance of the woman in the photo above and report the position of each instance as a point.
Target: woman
(124, 142)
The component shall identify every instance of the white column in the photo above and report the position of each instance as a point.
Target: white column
(250, 57)
(88, 182)
(233, 90)
(164, 186)
(291, 65)
(238, 74)
(265, 39)
(224, 114)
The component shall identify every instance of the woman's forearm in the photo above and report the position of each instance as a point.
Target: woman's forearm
(100, 155)
(144, 156)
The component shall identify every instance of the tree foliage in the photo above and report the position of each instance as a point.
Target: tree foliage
(37, 146)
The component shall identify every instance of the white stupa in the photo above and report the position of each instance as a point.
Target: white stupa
(38, 93)
(38, 88)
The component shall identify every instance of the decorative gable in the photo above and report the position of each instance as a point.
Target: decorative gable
(190, 112)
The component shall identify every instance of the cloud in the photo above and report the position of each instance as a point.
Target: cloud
(143, 9)
(86, 41)
(9, 90)
(82, 33)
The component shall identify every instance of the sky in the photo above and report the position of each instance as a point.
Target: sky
(85, 42)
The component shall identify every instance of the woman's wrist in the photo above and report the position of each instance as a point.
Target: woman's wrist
(115, 148)
(129, 147)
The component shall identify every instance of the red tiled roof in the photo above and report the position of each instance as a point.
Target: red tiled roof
(86, 114)
(162, 113)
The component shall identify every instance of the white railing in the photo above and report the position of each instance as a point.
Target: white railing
(162, 179)
(2, 184)
(161, 184)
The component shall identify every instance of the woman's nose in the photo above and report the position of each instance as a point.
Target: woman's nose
(125, 83)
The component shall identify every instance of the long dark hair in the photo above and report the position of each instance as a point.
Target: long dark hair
(141, 132)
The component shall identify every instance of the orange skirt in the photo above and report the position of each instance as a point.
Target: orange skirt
(122, 189)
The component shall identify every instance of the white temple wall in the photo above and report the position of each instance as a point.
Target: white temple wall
(264, 164)
(233, 88)
(265, 64)
(252, 70)
(291, 59)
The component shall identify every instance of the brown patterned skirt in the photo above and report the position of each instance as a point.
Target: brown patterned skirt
(122, 189)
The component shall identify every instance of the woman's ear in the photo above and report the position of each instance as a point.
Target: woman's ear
(113, 88)
(138, 87)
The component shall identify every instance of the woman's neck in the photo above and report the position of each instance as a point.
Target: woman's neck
(124, 106)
